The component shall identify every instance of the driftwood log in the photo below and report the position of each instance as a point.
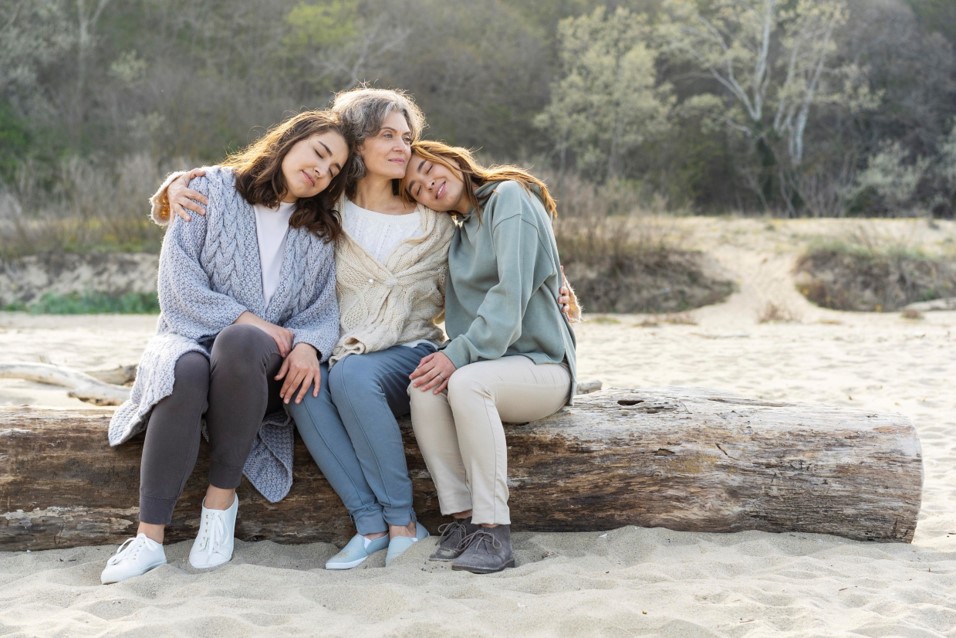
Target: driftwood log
(675, 458)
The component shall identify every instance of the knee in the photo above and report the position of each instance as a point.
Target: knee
(192, 371)
(313, 412)
(418, 396)
(465, 383)
(352, 376)
(240, 345)
(425, 403)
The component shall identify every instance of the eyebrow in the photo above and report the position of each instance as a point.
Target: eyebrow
(413, 182)
(329, 151)
(394, 130)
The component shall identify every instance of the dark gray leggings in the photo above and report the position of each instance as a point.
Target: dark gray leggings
(235, 388)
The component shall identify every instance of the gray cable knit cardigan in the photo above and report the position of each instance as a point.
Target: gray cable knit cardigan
(209, 274)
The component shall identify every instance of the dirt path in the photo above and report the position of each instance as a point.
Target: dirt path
(759, 255)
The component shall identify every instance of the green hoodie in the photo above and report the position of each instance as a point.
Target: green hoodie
(504, 275)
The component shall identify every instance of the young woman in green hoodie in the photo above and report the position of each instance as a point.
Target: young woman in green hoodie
(511, 354)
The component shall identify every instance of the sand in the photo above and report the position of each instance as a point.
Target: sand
(622, 582)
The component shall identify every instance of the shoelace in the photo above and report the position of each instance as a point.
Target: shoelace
(478, 537)
(447, 530)
(211, 542)
(120, 552)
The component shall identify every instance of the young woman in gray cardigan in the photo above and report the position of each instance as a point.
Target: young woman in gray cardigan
(512, 352)
(248, 311)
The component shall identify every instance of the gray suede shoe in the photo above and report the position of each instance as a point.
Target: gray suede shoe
(452, 534)
(487, 550)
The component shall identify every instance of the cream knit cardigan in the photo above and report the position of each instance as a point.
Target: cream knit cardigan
(400, 301)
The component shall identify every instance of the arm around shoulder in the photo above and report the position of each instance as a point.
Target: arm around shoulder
(161, 208)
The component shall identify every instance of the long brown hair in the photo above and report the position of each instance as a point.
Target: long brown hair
(474, 175)
(258, 170)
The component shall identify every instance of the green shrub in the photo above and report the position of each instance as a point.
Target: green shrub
(860, 274)
(628, 262)
(90, 303)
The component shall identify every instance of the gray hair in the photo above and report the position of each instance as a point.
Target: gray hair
(363, 111)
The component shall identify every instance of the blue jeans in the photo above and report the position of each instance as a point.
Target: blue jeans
(351, 430)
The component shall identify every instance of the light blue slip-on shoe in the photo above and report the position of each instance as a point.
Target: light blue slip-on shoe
(356, 551)
(400, 544)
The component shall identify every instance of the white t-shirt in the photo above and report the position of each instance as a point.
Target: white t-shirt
(379, 233)
(272, 227)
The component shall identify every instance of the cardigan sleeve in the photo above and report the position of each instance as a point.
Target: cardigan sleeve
(498, 322)
(189, 304)
(318, 323)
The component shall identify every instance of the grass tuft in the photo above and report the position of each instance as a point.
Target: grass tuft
(90, 303)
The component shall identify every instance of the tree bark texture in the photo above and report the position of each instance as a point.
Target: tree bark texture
(678, 458)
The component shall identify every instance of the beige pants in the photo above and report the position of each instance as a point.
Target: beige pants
(461, 436)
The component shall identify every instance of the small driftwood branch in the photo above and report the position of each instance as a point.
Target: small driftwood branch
(81, 385)
(677, 458)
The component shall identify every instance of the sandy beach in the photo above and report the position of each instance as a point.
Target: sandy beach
(621, 582)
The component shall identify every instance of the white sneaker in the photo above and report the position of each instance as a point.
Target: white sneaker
(214, 543)
(135, 557)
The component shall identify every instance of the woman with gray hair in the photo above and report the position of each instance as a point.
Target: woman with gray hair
(391, 264)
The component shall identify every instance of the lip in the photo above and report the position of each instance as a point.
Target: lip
(440, 191)
(309, 178)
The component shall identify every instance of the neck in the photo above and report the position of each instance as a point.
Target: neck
(463, 207)
(375, 193)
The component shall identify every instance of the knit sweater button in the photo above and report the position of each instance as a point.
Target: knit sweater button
(371, 281)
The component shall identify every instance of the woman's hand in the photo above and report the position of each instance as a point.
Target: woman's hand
(282, 336)
(182, 198)
(433, 373)
(300, 370)
(568, 300)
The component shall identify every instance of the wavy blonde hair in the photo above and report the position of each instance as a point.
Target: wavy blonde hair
(475, 175)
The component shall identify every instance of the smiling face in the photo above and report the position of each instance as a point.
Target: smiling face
(312, 163)
(435, 186)
(386, 153)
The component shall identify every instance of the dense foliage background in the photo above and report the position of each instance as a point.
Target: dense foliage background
(796, 107)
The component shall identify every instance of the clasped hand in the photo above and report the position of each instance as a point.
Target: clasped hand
(300, 370)
(433, 373)
(300, 365)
